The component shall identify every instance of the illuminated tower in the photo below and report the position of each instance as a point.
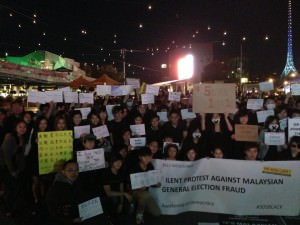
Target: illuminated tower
(289, 66)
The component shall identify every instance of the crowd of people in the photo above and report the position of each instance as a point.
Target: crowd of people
(207, 135)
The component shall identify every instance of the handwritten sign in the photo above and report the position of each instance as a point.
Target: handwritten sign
(54, 148)
(214, 98)
(138, 142)
(295, 89)
(90, 159)
(138, 129)
(84, 112)
(246, 132)
(86, 98)
(70, 97)
(264, 114)
(255, 104)
(147, 99)
(174, 96)
(293, 127)
(185, 114)
(101, 131)
(36, 97)
(274, 138)
(103, 90)
(145, 179)
(135, 83)
(152, 89)
(81, 130)
(163, 116)
(53, 96)
(90, 208)
(266, 86)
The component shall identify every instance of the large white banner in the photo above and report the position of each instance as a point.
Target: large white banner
(236, 187)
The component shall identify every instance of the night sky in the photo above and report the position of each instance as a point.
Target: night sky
(150, 28)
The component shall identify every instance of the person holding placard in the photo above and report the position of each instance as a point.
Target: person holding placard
(194, 140)
(154, 131)
(293, 150)
(269, 152)
(142, 197)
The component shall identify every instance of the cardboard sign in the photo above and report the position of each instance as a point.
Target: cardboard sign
(174, 96)
(54, 148)
(295, 89)
(152, 89)
(81, 130)
(36, 97)
(163, 116)
(246, 132)
(84, 112)
(70, 97)
(145, 179)
(147, 99)
(53, 96)
(90, 159)
(274, 138)
(90, 208)
(255, 104)
(264, 114)
(138, 129)
(103, 90)
(214, 98)
(86, 98)
(101, 131)
(138, 142)
(293, 127)
(266, 86)
(185, 114)
(135, 83)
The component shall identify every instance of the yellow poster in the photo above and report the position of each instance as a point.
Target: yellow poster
(54, 148)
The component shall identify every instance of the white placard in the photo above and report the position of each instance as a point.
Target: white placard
(138, 142)
(121, 90)
(174, 96)
(152, 89)
(163, 116)
(138, 129)
(110, 115)
(90, 208)
(283, 124)
(185, 114)
(84, 112)
(36, 97)
(145, 179)
(86, 98)
(70, 97)
(101, 131)
(295, 89)
(133, 82)
(64, 89)
(90, 159)
(147, 99)
(255, 104)
(53, 96)
(274, 138)
(293, 127)
(81, 130)
(103, 90)
(262, 115)
(266, 86)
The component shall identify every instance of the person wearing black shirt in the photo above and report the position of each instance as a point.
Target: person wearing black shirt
(175, 127)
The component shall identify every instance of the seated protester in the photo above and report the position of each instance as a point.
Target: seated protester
(103, 116)
(269, 103)
(281, 112)
(251, 151)
(293, 150)
(60, 123)
(190, 155)
(217, 153)
(175, 128)
(116, 126)
(194, 139)
(171, 152)
(142, 197)
(145, 113)
(154, 131)
(93, 119)
(65, 195)
(116, 200)
(154, 148)
(137, 120)
(269, 153)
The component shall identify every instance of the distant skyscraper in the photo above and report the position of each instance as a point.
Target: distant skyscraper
(289, 66)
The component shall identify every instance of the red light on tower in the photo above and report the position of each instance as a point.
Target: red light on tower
(185, 67)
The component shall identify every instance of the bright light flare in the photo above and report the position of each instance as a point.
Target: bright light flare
(185, 67)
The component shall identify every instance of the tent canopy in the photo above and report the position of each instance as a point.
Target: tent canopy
(41, 60)
(80, 82)
(104, 79)
(101, 80)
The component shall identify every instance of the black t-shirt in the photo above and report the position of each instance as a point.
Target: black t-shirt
(116, 129)
(111, 179)
(175, 132)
